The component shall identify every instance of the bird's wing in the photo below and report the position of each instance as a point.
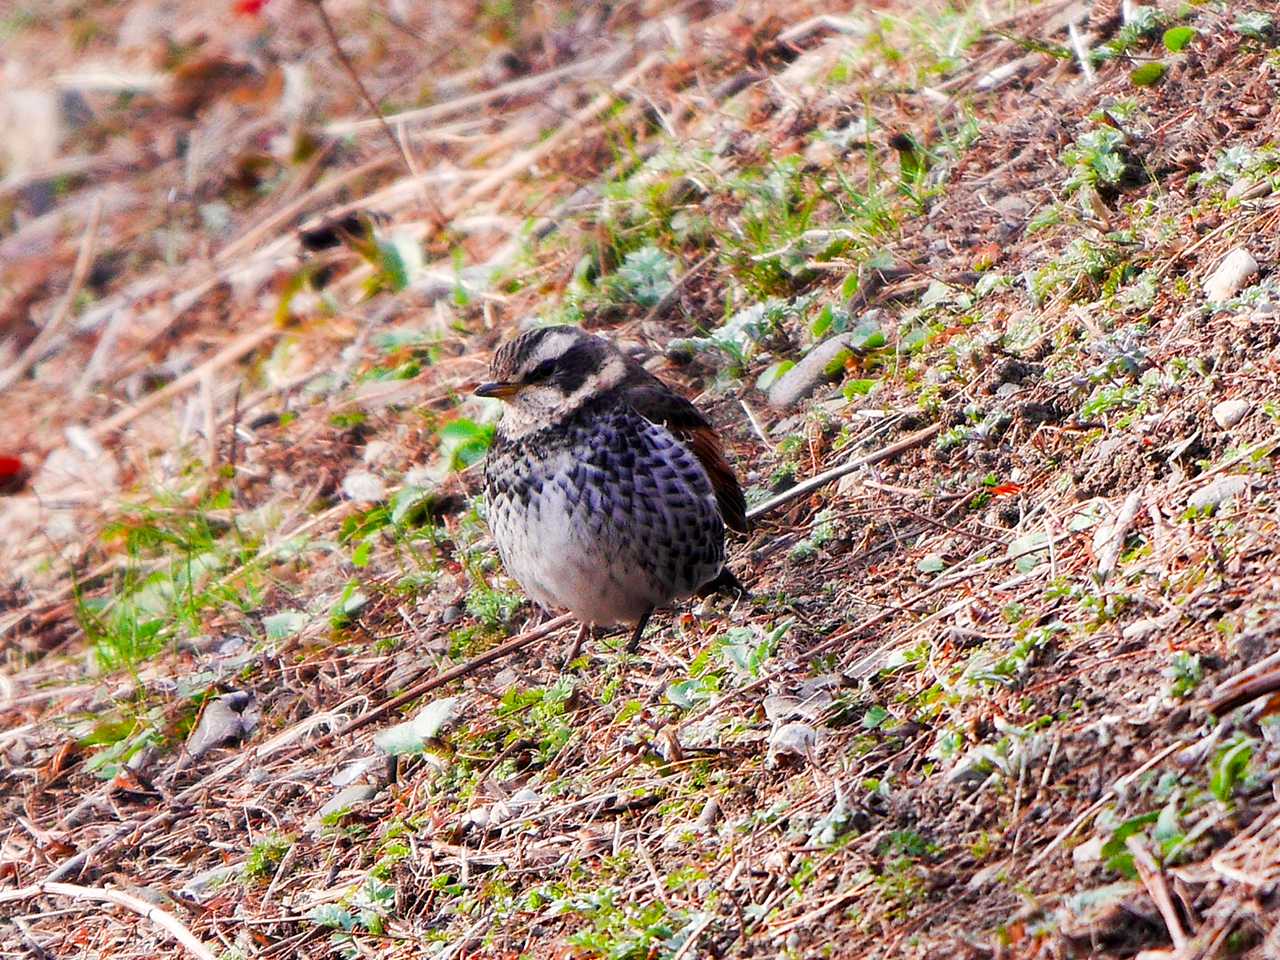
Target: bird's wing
(659, 405)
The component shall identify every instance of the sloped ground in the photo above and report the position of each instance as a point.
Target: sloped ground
(1005, 690)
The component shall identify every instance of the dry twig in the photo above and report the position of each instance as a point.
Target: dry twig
(44, 339)
(148, 911)
(1153, 880)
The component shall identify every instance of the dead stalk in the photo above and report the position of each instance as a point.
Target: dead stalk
(142, 908)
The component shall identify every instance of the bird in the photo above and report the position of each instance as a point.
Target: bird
(608, 492)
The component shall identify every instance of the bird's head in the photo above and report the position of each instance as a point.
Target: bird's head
(547, 373)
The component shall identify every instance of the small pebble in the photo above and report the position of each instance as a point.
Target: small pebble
(1230, 412)
(343, 800)
(1231, 275)
(1218, 492)
(1087, 855)
(791, 739)
(363, 486)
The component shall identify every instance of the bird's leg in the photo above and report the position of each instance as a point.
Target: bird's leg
(571, 652)
(634, 643)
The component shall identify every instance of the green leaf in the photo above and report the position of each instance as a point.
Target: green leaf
(333, 916)
(822, 322)
(1116, 854)
(464, 442)
(1229, 768)
(858, 388)
(111, 730)
(875, 717)
(360, 555)
(1177, 38)
(931, 563)
(391, 263)
(352, 601)
(867, 335)
(405, 501)
(836, 365)
(1147, 75)
(413, 735)
(850, 285)
(772, 373)
(284, 624)
(689, 693)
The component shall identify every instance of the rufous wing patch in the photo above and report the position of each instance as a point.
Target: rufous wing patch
(706, 446)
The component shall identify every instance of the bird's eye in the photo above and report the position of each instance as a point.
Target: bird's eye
(541, 372)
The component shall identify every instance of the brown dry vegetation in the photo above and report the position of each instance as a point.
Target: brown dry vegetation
(1004, 691)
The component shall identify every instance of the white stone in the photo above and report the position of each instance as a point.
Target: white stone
(792, 739)
(343, 800)
(363, 486)
(1231, 275)
(1230, 412)
(1149, 627)
(1087, 855)
(35, 112)
(1218, 492)
(376, 451)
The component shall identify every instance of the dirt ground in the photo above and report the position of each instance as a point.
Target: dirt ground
(999, 278)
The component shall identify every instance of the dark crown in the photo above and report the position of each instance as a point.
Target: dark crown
(561, 356)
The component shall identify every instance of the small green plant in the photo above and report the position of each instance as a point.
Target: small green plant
(822, 531)
(1176, 39)
(622, 929)
(540, 714)
(1255, 24)
(1240, 162)
(120, 737)
(463, 442)
(265, 856)
(1144, 24)
(1185, 673)
(1116, 855)
(991, 669)
(174, 576)
(984, 847)
(1087, 266)
(347, 607)
(1097, 159)
(737, 339)
(645, 277)
(1231, 766)
(767, 246)
(494, 608)
(908, 843)
(367, 911)
(902, 882)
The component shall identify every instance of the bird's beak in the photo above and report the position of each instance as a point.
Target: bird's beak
(499, 388)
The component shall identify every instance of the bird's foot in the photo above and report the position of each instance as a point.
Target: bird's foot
(634, 643)
(572, 651)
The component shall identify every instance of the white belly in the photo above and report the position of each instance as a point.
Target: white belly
(554, 555)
